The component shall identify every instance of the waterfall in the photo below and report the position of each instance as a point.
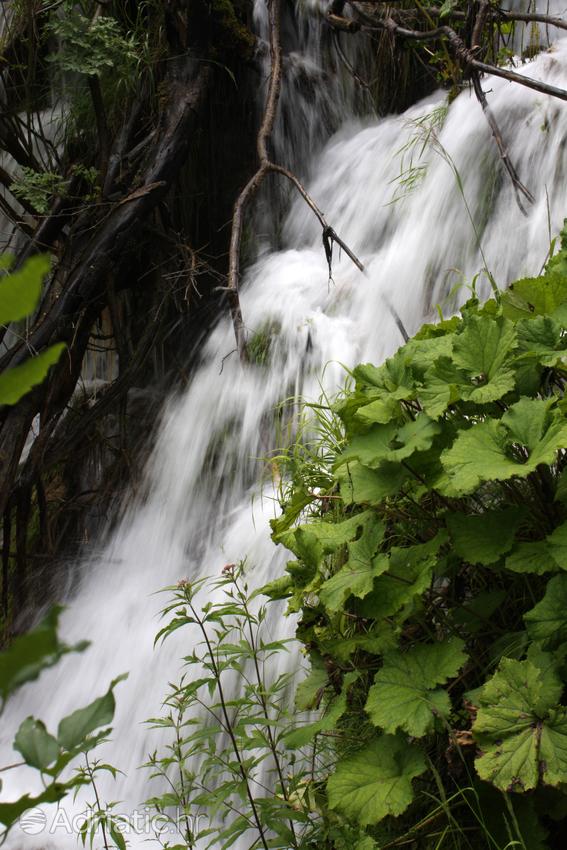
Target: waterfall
(423, 239)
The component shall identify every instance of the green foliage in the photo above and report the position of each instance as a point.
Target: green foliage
(233, 753)
(376, 781)
(37, 188)
(429, 576)
(91, 46)
(19, 295)
(77, 734)
(521, 729)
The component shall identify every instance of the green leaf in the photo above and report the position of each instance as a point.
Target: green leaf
(357, 576)
(534, 557)
(536, 296)
(332, 535)
(390, 443)
(361, 485)
(484, 451)
(31, 653)
(541, 339)
(279, 588)
(376, 781)
(547, 622)
(440, 387)
(376, 641)
(381, 410)
(557, 546)
(408, 576)
(10, 812)
(20, 291)
(483, 351)
(16, 382)
(74, 729)
(405, 693)
(38, 748)
(309, 691)
(483, 538)
(520, 729)
(395, 376)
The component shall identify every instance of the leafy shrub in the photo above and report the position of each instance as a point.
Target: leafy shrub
(430, 580)
(91, 46)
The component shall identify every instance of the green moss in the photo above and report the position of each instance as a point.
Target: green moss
(231, 36)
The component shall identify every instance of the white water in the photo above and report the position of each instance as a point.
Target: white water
(201, 507)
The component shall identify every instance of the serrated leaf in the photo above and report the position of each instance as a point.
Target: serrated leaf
(279, 588)
(376, 781)
(484, 538)
(485, 346)
(408, 576)
(37, 747)
(381, 410)
(375, 642)
(557, 545)
(20, 291)
(390, 443)
(547, 622)
(520, 729)
(536, 296)
(541, 339)
(361, 485)
(394, 375)
(332, 535)
(405, 693)
(16, 382)
(533, 557)
(357, 576)
(483, 452)
(440, 387)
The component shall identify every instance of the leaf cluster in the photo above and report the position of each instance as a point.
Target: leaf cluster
(77, 734)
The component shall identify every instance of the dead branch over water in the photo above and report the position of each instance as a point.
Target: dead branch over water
(466, 56)
(266, 166)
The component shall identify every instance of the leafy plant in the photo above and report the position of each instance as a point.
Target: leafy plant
(91, 46)
(235, 773)
(20, 292)
(430, 543)
(37, 188)
(77, 734)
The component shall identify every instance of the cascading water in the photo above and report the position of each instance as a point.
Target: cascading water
(197, 510)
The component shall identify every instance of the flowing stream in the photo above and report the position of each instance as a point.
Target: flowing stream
(424, 239)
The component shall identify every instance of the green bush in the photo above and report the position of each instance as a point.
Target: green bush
(430, 580)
